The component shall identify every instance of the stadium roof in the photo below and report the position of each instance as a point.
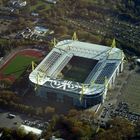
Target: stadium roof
(109, 59)
(89, 50)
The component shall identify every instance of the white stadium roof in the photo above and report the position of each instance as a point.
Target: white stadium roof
(45, 73)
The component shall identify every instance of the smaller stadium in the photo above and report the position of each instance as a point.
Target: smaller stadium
(77, 73)
(16, 64)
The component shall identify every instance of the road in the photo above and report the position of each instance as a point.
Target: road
(112, 97)
(9, 123)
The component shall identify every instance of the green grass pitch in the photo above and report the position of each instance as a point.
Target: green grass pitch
(18, 65)
(79, 69)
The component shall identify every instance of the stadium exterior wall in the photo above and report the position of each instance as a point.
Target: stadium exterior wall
(87, 100)
(73, 98)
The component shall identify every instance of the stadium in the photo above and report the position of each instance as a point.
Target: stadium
(78, 73)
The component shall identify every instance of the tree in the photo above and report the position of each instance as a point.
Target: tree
(6, 82)
(137, 129)
(30, 136)
(16, 134)
(61, 30)
(71, 127)
(119, 129)
(39, 111)
(49, 110)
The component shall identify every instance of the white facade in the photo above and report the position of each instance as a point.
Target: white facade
(28, 129)
(110, 64)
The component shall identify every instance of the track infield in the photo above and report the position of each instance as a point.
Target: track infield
(18, 64)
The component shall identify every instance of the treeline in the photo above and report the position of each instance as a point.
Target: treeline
(80, 125)
(16, 134)
(14, 102)
(130, 9)
(7, 45)
(57, 17)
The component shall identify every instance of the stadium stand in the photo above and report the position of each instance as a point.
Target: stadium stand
(92, 73)
(106, 72)
(50, 61)
(61, 65)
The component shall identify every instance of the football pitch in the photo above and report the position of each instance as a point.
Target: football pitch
(78, 69)
(17, 65)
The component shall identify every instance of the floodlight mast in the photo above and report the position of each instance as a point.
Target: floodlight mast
(37, 76)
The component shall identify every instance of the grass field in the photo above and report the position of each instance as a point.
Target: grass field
(131, 92)
(79, 69)
(17, 65)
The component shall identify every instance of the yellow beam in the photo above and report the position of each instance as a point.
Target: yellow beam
(74, 37)
(113, 45)
(83, 90)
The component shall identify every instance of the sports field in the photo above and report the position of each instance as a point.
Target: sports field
(18, 65)
(78, 69)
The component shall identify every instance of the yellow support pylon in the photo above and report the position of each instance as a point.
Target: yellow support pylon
(83, 90)
(54, 42)
(33, 65)
(37, 79)
(92, 83)
(74, 37)
(113, 45)
(98, 128)
(106, 81)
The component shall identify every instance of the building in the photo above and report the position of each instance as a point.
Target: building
(40, 31)
(37, 33)
(28, 129)
(54, 138)
(6, 9)
(52, 1)
(18, 3)
(78, 73)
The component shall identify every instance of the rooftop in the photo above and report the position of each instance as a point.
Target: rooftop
(46, 72)
(28, 129)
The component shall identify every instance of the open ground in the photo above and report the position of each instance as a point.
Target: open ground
(131, 91)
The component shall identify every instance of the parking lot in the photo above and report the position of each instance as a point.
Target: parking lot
(36, 123)
(121, 110)
(8, 122)
(119, 102)
(17, 120)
